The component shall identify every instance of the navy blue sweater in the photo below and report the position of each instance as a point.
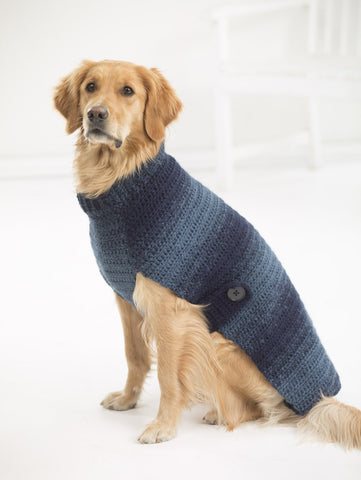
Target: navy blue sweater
(166, 225)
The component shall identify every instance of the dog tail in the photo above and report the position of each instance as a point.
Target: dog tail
(332, 421)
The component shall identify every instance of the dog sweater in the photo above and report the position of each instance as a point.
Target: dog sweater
(163, 223)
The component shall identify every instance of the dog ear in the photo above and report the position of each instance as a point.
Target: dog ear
(162, 104)
(67, 96)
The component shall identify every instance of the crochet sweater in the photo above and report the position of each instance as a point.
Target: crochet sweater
(166, 225)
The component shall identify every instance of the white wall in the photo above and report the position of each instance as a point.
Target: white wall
(42, 40)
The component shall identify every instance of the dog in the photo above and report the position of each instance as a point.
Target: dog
(162, 242)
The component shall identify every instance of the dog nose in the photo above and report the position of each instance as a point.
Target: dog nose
(97, 114)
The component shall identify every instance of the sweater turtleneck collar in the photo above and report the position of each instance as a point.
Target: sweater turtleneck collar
(122, 191)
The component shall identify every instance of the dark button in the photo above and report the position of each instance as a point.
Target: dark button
(236, 294)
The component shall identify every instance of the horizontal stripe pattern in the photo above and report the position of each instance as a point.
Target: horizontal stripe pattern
(163, 223)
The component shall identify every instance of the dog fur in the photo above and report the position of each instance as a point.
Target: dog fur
(193, 364)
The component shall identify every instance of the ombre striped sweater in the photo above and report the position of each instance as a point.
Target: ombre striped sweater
(168, 226)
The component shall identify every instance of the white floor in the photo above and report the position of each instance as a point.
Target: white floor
(61, 347)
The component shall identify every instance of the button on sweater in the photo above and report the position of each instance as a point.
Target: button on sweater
(163, 223)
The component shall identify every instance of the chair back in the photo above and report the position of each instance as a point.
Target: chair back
(334, 28)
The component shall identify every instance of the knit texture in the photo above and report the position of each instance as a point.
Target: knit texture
(165, 224)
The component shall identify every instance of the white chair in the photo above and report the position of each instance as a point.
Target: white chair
(332, 68)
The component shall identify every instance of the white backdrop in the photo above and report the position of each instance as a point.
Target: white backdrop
(42, 40)
(60, 334)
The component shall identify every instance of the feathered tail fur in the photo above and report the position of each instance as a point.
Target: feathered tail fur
(335, 422)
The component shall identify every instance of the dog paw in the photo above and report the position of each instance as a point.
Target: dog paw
(119, 401)
(157, 432)
(211, 417)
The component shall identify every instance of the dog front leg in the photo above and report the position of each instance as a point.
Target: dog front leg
(158, 305)
(138, 358)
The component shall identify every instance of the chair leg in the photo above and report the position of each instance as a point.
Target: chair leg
(316, 158)
(223, 126)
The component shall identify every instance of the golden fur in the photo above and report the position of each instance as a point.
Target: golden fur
(140, 119)
(193, 365)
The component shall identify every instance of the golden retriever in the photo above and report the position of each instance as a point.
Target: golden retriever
(133, 106)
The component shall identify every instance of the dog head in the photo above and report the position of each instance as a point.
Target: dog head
(113, 102)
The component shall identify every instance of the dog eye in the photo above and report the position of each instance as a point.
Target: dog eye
(127, 91)
(90, 87)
